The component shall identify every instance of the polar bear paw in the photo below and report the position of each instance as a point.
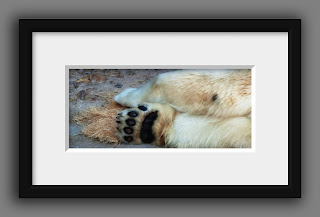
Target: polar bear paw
(135, 124)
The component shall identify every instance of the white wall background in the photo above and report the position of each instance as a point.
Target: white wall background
(11, 10)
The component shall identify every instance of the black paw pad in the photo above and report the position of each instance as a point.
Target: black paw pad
(131, 122)
(128, 138)
(146, 134)
(143, 108)
(128, 130)
(133, 114)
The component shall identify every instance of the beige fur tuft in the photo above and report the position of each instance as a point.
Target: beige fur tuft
(100, 122)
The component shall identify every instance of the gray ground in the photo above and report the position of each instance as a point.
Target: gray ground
(95, 88)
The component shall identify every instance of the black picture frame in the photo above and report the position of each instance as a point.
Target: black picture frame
(28, 26)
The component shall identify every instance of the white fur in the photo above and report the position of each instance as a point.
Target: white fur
(125, 98)
(202, 132)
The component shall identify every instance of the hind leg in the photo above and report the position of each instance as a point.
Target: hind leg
(161, 125)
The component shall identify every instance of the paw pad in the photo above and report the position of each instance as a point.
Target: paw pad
(128, 138)
(142, 107)
(131, 122)
(128, 130)
(133, 114)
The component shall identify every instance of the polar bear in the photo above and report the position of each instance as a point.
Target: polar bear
(189, 109)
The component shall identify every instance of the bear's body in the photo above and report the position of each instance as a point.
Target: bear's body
(190, 109)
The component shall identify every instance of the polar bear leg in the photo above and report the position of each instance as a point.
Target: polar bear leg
(160, 124)
(132, 97)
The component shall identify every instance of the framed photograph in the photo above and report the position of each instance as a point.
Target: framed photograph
(159, 108)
